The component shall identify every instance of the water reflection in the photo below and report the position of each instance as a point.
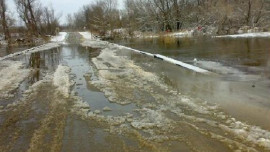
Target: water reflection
(9, 50)
(78, 59)
(238, 98)
(34, 63)
(227, 51)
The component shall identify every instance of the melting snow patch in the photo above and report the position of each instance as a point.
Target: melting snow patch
(151, 119)
(107, 109)
(182, 34)
(167, 59)
(251, 133)
(103, 44)
(11, 75)
(87, 35)
(246, 35)
(32, 50)
(62, 80)
(179, 63)
(60, 37)
(95, 44)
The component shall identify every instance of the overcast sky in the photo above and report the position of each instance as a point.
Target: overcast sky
(62, 6)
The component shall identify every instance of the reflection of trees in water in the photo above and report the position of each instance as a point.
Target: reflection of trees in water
(83, 53)
(34, 62)
(8, 50)
(267, 67)
(52, 59)
(46, 60)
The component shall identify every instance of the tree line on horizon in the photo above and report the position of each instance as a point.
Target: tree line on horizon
(103, 17)
(226, 16)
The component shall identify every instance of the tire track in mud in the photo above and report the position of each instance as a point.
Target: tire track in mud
(36, 122)
(48, 137)
(20, 119)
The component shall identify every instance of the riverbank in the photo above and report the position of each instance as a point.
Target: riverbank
(244, 32)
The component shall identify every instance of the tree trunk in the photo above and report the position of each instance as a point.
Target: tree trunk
(33, 20)
(248, 12)
(4, 22)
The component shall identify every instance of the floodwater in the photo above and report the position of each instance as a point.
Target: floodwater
(242, 86)
(151, 105)
(8, 50)
(240, 52)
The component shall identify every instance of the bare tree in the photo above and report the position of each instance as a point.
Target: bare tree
(38, 19)
(49, 21)
(3, 10)
(27, 16)
(227, 16)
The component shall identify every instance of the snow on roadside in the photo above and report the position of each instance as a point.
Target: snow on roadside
(138, 34)
(61, 80)
(32, 50)
(182, 34)
(11, 75)
(87, 35)
(60, 37)
(104, 44)
(167, 59)
(179, 63)
(95, 44)
(246, 35)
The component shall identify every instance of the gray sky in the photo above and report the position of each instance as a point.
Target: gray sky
(62, 6)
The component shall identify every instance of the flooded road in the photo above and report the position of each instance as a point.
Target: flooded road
(242, 86)
(101, 97)
(235, 52)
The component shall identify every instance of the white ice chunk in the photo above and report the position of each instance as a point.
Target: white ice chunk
(167, 59)
(87, 35)
(32, 50)
(246, 35)
(185, 65)
(60, 37)
(11, 74)
(182, 34)
(62, 80)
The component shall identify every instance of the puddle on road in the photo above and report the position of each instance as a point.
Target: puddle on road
(82, 72)
(79, 60)
(82, 69)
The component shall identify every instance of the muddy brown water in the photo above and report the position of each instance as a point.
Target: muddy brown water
(40, 125)
(245, 98)
(239, 52)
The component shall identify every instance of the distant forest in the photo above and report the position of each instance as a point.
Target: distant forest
(103, 17)
(226, 16)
